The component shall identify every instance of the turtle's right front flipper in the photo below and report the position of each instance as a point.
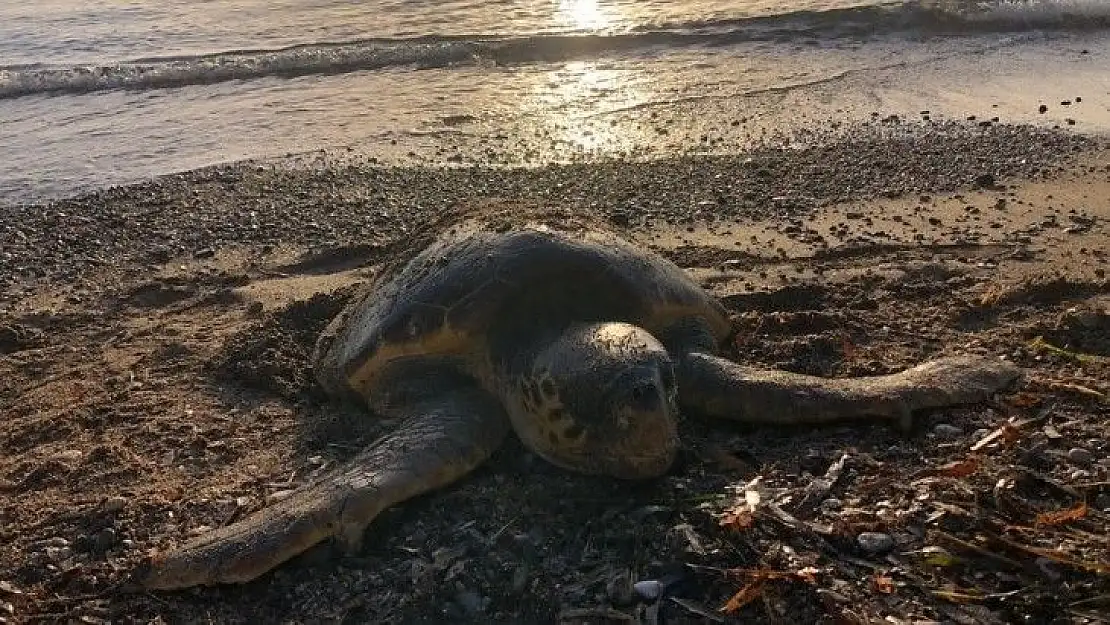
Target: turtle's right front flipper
(445, 437)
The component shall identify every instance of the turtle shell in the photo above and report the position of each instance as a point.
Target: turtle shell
(476, 291)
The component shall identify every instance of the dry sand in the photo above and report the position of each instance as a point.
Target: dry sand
(154, 382)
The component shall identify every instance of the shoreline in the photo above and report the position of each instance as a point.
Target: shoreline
(154, 345)
(578, 112)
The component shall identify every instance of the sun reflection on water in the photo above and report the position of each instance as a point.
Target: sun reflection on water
(582, 15)
(574, 102)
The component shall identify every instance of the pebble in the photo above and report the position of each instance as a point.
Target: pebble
(520, 578)
(1081, 457)
(649, 589)
(280, 495)
(114, 504)
(875, 543)
(69, 455)
(106, 539)
(472, 603)
(55, 542)
(833, 596)
(619, 588)
(57, 554)
(947, 431)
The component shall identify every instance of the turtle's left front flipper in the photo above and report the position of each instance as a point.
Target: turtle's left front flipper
(445, 435)
(721, 388)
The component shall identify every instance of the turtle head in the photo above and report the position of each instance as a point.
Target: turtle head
(601, 400)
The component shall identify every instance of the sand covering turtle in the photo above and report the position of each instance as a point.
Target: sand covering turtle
(583, 344)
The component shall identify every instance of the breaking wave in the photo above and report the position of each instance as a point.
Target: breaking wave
(933, 18)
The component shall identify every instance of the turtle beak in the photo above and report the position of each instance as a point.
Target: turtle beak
(645, 433)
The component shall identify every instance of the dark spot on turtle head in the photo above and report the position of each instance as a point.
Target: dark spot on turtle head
(556, 414)
(575, 431)
(553, 438)
(531, 392)
(548, 387)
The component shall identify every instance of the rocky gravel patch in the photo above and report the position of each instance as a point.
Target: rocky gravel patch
(320, 203)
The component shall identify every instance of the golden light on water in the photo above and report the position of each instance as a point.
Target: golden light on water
(582, 14)
(574, 102)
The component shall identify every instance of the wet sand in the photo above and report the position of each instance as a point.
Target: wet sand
(154, 382)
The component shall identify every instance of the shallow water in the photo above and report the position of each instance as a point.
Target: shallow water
(106, 91)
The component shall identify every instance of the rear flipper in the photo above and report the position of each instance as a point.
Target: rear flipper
(445, 437)
(721, 388)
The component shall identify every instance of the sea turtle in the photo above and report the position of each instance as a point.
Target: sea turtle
(580, 342)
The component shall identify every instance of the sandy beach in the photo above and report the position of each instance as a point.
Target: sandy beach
(154, 382)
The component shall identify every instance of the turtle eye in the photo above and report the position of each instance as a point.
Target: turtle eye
(644, 396)
(666, 374)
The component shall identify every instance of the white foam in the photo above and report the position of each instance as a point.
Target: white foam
(1047, 12)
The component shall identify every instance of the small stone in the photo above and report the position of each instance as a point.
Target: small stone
(7, 588)
(832, 504)
(649, 589)
(114, 504)
(947, 431)
(280, 495)
(619, 588)
(620, 218)
(831, 596)
(472, 603)
(69, 455)
(520, 578)
(106, 539)
(984, 180)
(56, 542)
(58, 554)
(1042, 109)
(1080, 456)
(1079, 475)
(875, 543)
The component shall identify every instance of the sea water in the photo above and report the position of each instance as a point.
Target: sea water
(103, 92)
